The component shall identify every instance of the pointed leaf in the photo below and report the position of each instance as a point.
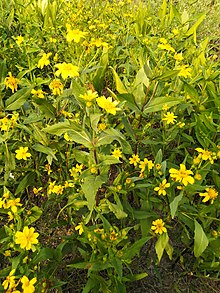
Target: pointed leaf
(200, 240)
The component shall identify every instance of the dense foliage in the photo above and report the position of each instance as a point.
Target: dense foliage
(109, 119)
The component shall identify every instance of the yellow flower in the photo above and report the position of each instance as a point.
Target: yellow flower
(107, 104)
(38, 93)
(80, 228)
(169, 117)
(27, 238)
(44, 61)
(66, 70)
(210, 194)
(56, 86)
(143, 164)
(178, 56)
(116, 154)
(102, 126)
(48, 169)
(167, 47)
(198, 176)
(11, 82)
(182, 175)
(204, 154)
(161, 189)
(28, 285)
(175, 31)
(13, 204)
(58, 189)
(184, 71)
(22, 153)
(89, 96)
(66, 136)
(5, 124)
(134, 160)
(158, 226)
(79, 168)
(19, 40)
(165, 107)
(74, 35)
(9, 282)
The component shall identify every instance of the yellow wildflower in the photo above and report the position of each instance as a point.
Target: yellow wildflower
(27, 238)
(169, 117)
(11, 82)
(19, 40)
(58, 189)
(134, 160)
(182, 175)
(38, 93)
(66, 136)
(185, 71)
(5, 124)
(89, 96)
(107, 104)
(175, 31)
(178, 56)
(9, 282)
(165, 107)
(74, 35)
(13, 204)
(161, 189)
(56, 86)
(48, 169)
(167, 47)
(116, 153)
(80, 228)
(28, 285)
(158, 226)
(66, 70)
(204, 155)
(44, 61)
(102, 126)
(22, 153)
(210, 194)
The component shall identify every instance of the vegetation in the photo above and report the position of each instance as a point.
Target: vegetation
(110, 146)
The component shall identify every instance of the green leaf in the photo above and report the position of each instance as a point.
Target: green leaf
(118, 83)
(157, 104)
(92, 266)
(117, 210)
(58, 128)
(18, 99)
(28, 180)
(200, 240)
(174, 204)
(46, 108)
(167, 75)
(38, 134)
(33, 215)
(195, 26)
(114, 134)
(160, 245)
(80, 137)
(90, 187)
(44, 149)
(136, 277)
(134, 249)
(98, 80)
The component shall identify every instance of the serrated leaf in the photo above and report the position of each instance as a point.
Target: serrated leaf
(200, 240)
